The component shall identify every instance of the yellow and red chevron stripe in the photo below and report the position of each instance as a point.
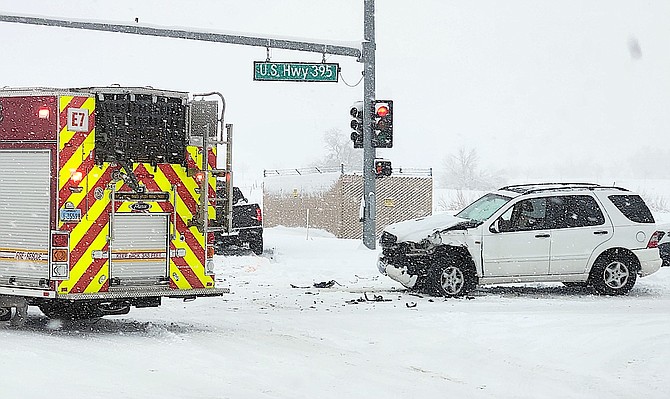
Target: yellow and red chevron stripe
(91, 195)
(194, 161)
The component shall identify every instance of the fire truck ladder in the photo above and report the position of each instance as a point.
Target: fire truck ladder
(225, 204)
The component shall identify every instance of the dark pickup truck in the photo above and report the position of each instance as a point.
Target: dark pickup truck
(247, 223)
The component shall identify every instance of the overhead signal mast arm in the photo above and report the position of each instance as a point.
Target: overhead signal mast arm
(311, 46)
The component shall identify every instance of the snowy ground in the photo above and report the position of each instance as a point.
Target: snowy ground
(267, 339)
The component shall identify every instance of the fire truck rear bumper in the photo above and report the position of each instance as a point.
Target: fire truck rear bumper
(145, 293)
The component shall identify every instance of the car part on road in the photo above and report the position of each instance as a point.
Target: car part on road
(575, 284)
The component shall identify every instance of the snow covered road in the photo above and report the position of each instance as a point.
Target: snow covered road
(267, 339)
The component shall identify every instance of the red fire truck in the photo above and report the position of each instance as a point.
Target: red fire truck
(105, 198)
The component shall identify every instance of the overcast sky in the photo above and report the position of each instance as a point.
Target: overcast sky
(551, 84)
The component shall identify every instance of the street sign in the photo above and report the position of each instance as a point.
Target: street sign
(296, 71)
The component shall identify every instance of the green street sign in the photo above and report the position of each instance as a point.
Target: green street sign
(296, 71)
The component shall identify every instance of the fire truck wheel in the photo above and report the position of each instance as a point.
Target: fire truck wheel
(5, 314)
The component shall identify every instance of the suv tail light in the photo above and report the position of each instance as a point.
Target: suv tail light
(259, 215)
(653, 241)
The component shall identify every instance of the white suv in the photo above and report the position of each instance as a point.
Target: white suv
(577, 234)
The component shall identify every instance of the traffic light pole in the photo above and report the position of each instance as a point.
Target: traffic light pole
(367, 56)
(369, 228)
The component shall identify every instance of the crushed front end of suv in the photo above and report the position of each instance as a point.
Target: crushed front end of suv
(576, 234)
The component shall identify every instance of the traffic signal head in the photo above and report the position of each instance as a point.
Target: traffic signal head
(383, 168)
(356, 113)
(382, 124)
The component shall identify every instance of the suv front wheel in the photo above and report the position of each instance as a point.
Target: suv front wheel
(614, 274)
(451, 277)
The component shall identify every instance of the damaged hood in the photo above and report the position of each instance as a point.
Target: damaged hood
(416, 230)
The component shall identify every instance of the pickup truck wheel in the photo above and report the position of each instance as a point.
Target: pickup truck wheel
(613, 274)
(450, 276)
(256, 243)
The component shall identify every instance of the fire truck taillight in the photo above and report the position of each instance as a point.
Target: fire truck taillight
(59, 240)
(43, 113)
(209, 268)
(76, 176)
(209, 263)
(59, 259)
(199, 177)
(59, 255)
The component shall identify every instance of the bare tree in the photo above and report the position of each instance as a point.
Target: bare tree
(339, 150)
(461, 170)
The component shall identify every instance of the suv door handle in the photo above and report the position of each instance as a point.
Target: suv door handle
(546, 235)
(601, 232)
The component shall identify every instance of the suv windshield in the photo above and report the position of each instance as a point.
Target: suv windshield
(483, 208)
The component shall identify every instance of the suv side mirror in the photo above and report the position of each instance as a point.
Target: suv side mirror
(495, 227)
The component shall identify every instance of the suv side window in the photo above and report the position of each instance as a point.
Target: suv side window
(525, 215)
(574, 211)
(632, 207)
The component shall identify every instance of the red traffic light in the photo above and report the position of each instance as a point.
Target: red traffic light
(382, 124)
(382, 111)
(383, 168)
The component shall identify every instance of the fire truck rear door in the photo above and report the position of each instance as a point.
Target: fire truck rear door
(140, 252)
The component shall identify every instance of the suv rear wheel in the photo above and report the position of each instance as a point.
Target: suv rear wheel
(450, 276)
(614, 274)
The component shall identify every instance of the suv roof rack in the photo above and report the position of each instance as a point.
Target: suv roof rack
(536, 187)
(524, 188)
